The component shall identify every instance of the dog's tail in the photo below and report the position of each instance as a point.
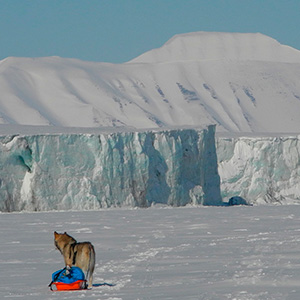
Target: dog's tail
(91, 266)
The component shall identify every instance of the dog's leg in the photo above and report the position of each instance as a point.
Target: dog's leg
(91, 266)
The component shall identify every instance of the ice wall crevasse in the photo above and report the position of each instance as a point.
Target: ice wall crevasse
(260, 169)
(91, 171)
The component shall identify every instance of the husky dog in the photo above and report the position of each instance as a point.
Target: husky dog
(81, 255)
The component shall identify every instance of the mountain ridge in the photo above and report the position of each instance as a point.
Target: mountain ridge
(236, 94)
(220, 45)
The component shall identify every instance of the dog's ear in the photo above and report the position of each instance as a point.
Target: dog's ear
(55, 234)
(65, 232)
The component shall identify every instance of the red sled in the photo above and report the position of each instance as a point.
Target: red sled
(77, 285)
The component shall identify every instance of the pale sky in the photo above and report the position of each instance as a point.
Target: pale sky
(119, 30)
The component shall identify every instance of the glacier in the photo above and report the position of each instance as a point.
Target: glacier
(44, 172)
(260, 169)
(84, 171)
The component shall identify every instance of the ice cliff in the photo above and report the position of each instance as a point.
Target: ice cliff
(260, 169)
(137, 169)
(91, 171)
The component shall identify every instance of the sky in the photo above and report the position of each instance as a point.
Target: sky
(117, 31)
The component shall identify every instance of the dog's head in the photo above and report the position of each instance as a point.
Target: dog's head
(62, 239)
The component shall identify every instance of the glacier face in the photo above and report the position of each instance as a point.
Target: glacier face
(260, 169)
(91, 171)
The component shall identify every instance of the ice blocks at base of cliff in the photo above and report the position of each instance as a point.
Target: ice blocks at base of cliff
(92, 171)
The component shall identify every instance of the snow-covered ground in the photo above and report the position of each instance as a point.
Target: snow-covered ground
(159, 253)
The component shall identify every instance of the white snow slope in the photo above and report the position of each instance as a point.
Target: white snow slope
(241, 82)
(205, 253)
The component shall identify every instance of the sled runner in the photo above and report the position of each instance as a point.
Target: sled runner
(68, 279)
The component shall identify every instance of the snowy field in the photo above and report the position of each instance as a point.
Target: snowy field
(159, 253)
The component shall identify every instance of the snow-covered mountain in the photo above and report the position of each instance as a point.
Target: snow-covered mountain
(241, 82)
(199, 46)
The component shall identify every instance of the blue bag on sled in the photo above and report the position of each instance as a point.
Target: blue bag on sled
(71, 279)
